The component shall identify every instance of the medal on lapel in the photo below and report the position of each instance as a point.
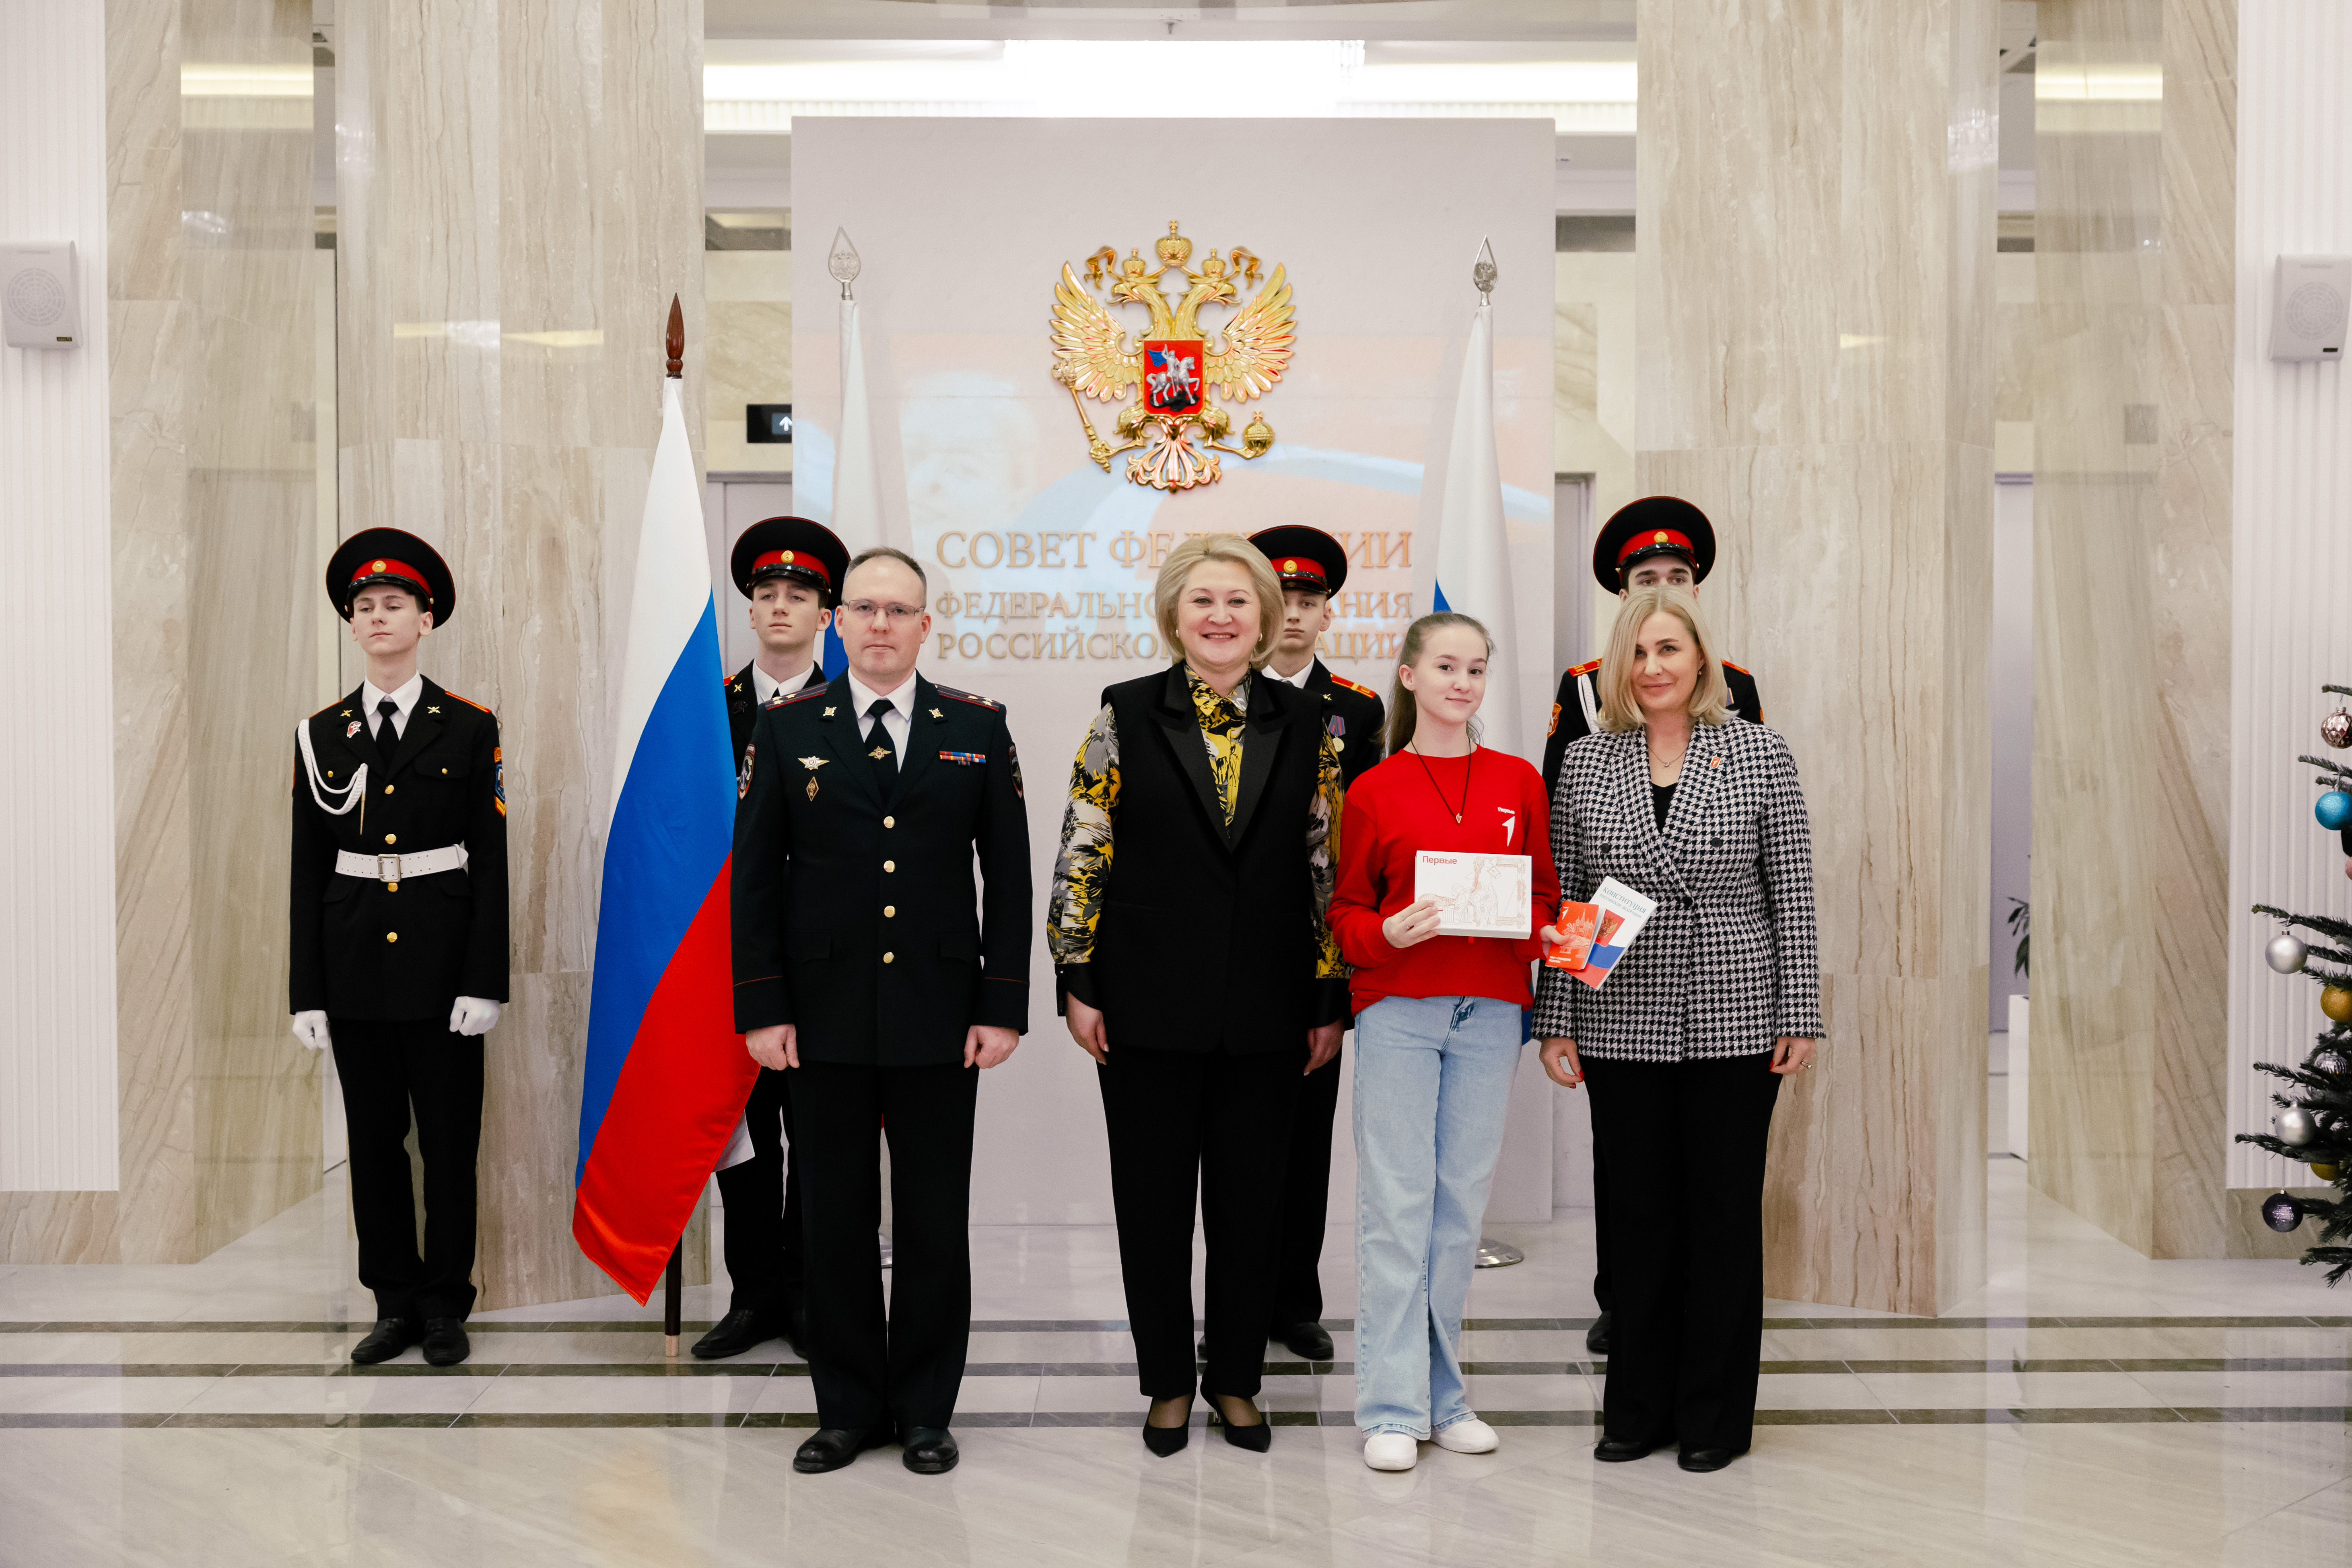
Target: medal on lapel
(352, 729)
(811, 764)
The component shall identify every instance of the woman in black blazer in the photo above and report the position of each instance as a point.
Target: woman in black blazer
(1197, 969)
(1684, 1048)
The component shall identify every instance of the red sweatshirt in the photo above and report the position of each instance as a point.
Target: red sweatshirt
(1398, 809)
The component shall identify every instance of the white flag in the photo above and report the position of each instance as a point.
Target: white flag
(1474, 557)
(856, 477)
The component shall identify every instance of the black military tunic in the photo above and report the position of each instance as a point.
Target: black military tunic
(1353, 716)
(856, 918)
(363, 948)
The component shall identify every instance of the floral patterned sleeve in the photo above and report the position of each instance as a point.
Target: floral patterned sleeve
(1323, 857)
(1083, 865)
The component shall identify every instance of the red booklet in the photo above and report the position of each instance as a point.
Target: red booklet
(1583, 923)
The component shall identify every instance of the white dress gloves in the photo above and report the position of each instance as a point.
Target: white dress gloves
(472, 1015)
(311, 1028)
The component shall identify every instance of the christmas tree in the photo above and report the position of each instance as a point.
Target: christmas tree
(2315, 1119)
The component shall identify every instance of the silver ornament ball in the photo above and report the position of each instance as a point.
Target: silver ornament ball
(2297, 1127)
(2330, 1062)
(2286, 953)
(2336, 729)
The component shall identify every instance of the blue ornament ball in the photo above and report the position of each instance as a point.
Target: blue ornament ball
(2333, 810)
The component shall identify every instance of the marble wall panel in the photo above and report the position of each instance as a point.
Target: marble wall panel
(2134, 286)
(1816, 317)
(521, 198)
(210, 369)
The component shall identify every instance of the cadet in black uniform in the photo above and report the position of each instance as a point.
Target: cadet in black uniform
(868, 962)
(1656, 540)
(398, 921)
(1313, 568)
(788, 567)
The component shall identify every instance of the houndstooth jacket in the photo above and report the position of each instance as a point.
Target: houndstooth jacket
(1730, 959)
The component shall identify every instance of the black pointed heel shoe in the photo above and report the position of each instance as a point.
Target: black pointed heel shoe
(1165, 1440)
(1258, 1439)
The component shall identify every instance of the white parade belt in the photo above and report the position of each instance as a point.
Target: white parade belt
(393, 868)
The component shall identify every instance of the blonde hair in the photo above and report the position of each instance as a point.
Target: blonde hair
(1710, 698)
(1176, 574)
(1403, 712)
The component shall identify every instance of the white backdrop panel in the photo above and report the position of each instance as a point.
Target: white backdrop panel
(963, 228)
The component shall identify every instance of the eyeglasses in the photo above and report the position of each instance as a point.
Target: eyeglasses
(869, 609)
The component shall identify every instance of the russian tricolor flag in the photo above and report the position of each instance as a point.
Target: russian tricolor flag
(666, 1075)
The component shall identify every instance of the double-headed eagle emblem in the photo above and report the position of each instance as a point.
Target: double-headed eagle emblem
(1174, 366)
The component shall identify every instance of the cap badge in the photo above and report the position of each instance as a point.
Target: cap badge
(788, 557)
(377, 566)
(1659, 537)
(1290, 566)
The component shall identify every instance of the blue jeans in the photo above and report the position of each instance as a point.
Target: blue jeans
(1432, 1083)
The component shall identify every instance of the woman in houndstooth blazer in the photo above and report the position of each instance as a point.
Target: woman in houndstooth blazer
(1684, 1047)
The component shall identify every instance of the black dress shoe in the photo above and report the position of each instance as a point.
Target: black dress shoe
(930, 1450)
(832, 1447)
(386, 1339)
(1619, 1450)
(1307, 1341)
(736, 1332)
(444, 1341)
(1166, 1440)
(1256, 1438)
(1698, 1461)
(1596, 1338)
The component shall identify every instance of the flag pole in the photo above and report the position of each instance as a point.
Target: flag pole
(673, 1274)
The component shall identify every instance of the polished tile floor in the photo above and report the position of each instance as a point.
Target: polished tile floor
(2090, 1406)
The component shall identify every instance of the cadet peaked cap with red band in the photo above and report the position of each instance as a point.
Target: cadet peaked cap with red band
(1655, 525)
(793, 549)
(1304, 558)
(392, 557)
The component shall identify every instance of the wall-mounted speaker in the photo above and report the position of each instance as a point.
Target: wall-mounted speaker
(40, 294)
(2309, 305)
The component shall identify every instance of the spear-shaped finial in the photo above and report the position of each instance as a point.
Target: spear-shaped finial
(1482, 271)
(841, 261)
(675, 338)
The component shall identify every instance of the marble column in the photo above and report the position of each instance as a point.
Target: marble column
(1815, 298)
(2135, 183)
(210, 389)
(519, 195)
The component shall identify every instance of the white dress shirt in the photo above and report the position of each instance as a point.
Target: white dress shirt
(766, 688)
(1299, 680)
(369, 698)
(894, 722)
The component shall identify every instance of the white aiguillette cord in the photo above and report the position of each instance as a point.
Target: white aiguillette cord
(352, 794)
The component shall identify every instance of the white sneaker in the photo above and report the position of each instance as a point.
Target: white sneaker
(1468, 1436)
(1391, 1451)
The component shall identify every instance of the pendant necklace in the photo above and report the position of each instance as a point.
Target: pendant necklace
(1466, 761)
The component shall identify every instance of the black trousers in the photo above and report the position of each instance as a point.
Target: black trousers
(1305, 1201)
(390, 1071)
(1220, 1123)
(767, 1258)
(1601, 1292)
(872, 1372)
(1684, 1147)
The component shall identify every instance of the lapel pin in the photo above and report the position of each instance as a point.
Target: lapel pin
(432, 711)
(937, 714)
(879, 752)
(812, 788)
(828, 713)
(352, 729)
(1714, 762)
(812, 763)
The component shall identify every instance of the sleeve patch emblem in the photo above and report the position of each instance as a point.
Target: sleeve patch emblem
(1555, 722)
(743, 776)
(499, 778)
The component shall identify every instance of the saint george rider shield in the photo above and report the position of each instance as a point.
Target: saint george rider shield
(1172, 374)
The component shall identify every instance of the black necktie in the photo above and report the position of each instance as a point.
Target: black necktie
(885, 755)
(387, 734)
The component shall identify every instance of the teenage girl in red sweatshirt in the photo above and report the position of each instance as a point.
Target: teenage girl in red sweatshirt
(1437, 1034)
